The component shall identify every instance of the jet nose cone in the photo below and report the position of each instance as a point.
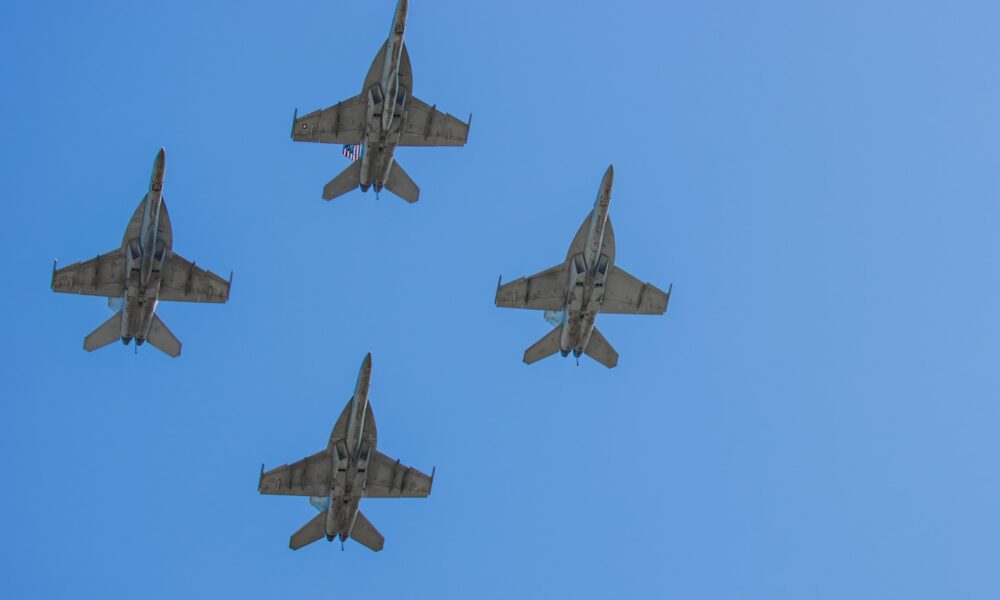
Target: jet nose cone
(399, 19)
(364, 376)
(609, 177)
(161, 158)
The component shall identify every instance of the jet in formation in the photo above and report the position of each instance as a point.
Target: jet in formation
(383, 116)
(573, 292)
(142, 272)
(349, 469)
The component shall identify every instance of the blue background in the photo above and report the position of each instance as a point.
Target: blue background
(815, 417)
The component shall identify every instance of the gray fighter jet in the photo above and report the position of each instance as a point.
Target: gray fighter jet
(349, 469)
(142, 272)
(384, 115)
(586, 283)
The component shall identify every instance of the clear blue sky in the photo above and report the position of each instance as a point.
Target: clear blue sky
(815, 417)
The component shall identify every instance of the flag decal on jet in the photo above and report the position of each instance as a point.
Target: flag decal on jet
(352, 151)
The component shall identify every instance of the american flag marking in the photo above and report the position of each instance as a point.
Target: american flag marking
(352, 151)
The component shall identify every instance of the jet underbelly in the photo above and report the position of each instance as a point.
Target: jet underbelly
(386, 165)
(365, 175)
(377, 165)
(577, 331)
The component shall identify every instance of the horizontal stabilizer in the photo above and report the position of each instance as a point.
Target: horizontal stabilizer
(365, 533)
(310, 532)
(109, 331)
(545, 347)
(160, 337)
(349, 179)
(399, 183)
(600, 350)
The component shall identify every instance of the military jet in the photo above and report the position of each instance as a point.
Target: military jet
(141, 273)
(586, 283)
(383, 116)
(349, 469)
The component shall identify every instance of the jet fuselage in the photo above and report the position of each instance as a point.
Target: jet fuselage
(145, 254)
(350, 461)
(587, 273)
(384, 101)
(393, 56)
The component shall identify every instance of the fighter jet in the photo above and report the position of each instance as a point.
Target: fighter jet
(383, 116)
(349, 469)
(141, 273)
(586, 283)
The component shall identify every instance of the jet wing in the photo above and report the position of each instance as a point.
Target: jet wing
(389, 479)
(182, 281)
(307, 477)
(624, 294)
(100, 276)
(342, 123)
(427, 126)
(542, 291)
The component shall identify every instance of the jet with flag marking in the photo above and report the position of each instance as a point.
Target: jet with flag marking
(350, 468)
(383, 116)
(573, 292)
(139, 274)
